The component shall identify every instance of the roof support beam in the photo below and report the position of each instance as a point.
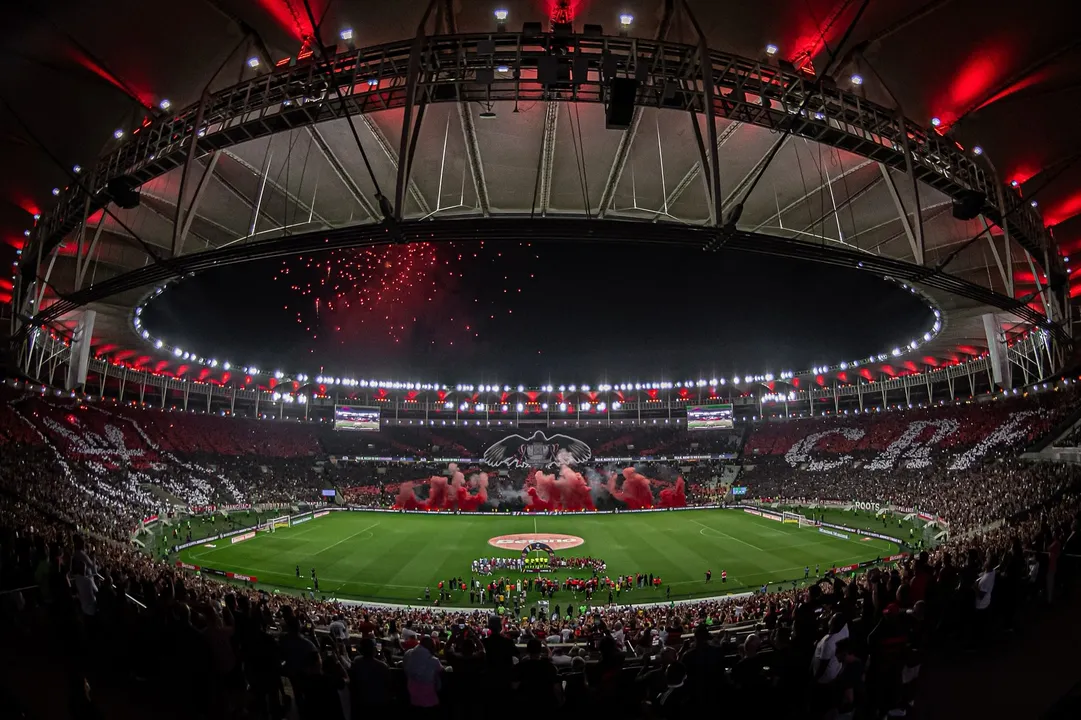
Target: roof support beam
(803, 198)
(476, 163)
(1006, 279)
(696, 169)
(626, 140)
(384, 144)
(185, 217)
(914, 241)
(705, 65)
(548, 150)
(346, 179)
(279, 187)
(168, 201)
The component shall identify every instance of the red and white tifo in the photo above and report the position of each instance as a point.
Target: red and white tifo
(519, 541)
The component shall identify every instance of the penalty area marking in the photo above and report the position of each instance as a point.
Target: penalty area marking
(724, 534)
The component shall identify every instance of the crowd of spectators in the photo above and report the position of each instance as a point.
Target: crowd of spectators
(842, 643)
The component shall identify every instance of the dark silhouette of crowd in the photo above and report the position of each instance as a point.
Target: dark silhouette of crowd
(70, 492)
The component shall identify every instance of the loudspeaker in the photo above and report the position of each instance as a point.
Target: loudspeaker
(968, 204)
(621, 96)
(122, 191)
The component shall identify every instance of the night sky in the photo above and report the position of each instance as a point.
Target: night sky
(550, 313)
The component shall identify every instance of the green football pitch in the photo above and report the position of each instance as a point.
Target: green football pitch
(393, 557)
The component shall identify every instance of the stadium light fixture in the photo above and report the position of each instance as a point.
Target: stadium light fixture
(501, 15)
(26, 233)
(857, 79)
(771, 49)
(936, 121)
(625, 22)
(346, 34)
(1014, 183)
(56, 192)
(118, 133)
(165, 104)
(977, 150)
(76, 169)
(37, 216)
(503, 68)
(1033, 203)
(253, 62)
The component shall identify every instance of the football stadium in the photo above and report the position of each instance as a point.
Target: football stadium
(461, 360)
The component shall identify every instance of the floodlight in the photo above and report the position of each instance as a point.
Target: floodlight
(771, 49)
(1013, 183)
(857, 79)
(935, 122)
(77, 169)
(118, 133)
(56, 192)
(253, 62)
(501, 15)
(165, 104)
(977, 150)
(37, 216)
(626, 19)
(346, 34)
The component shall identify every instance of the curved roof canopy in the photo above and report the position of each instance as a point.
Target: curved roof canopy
(818, 161)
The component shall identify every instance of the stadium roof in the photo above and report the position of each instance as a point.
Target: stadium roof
(999, 76)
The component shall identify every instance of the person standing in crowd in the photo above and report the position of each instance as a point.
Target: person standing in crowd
(369, 683)
(423, 675)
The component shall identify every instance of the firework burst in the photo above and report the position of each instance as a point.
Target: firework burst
(384, 294)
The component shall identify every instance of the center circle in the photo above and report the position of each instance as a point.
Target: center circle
(519, 541)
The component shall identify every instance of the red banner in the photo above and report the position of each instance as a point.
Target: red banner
(238, 576)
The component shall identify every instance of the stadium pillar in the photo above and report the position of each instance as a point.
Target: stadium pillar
(930, 389)
(232, 401)
(102, 377)
(123, 382)
(951, 385)
(859, 393)
(187, 389)
(142, 392)
(257, 402)
(836, 399)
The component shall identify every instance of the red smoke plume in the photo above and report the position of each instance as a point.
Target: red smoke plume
(566, 491)
(635, 493)
(444, 494)
(674, 497)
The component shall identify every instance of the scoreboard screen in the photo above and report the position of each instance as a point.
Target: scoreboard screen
(709, 417)
(739, 490)
(352, 417)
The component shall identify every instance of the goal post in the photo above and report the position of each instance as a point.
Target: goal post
(797, 519)
(274, 523)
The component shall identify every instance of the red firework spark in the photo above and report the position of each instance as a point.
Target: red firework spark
(389, 292)
(379, 286)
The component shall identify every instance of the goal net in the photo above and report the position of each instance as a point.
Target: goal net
(795, 519)
(275, 523)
